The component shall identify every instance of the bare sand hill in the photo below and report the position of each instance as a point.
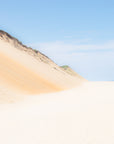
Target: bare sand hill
(27, 71)
(81, 115)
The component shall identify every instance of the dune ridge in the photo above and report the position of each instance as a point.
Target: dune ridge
(24, 70)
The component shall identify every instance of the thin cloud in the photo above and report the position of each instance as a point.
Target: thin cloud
(62, 47)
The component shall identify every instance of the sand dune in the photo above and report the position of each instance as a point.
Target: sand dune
(22, 78)
(27, 71)
(81, 115)
(77, 112)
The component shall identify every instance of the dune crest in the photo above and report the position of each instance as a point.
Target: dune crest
(28, 71)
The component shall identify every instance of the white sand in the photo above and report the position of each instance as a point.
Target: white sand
(83, 115)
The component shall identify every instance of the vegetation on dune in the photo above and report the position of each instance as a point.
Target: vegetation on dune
(65, 67)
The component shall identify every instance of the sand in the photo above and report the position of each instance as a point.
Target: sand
(24, 72)
(82, 115)
(42, 104)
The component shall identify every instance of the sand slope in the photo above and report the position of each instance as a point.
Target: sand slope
(27, 71)
(83, 115)
(18, 76)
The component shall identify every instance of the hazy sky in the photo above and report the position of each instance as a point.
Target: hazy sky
(77, 33)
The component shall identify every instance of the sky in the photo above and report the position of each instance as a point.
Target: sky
(78, 33)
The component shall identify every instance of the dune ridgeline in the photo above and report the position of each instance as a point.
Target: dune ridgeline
(24, 71)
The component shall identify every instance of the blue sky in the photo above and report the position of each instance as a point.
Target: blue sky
(78, 33)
